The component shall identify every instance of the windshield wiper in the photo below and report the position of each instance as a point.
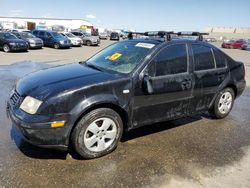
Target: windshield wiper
(93, 66)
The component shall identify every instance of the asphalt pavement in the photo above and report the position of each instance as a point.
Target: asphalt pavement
(190, 152)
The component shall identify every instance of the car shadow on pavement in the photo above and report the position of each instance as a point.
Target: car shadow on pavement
(44, 153)
(159, 127)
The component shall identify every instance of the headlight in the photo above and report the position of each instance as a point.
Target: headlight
(32, 41)
(30, 105)
(62, 42)
(12, 44)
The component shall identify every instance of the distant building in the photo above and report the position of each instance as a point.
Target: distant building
(228, 32)
(44, 23)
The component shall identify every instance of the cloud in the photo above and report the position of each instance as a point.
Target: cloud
(15, 13)
(91, 16)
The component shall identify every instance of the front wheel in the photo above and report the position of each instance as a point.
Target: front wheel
(223, 103)
(97, 133)
(56, 46)
(6, 48)
(88, 43)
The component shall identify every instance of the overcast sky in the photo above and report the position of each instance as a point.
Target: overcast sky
(141, 15)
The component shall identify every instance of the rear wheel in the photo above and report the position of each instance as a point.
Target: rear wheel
(97, 133)
(223, 103)
(6, 48)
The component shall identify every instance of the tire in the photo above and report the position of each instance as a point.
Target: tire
(88, 43)
(223, 103)
(92, 138)
(56, 46)
(6, 48)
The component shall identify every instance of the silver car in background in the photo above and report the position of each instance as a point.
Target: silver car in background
(246, 46)
(76, 41)
(33, 41)
(87, 38)
(103, 35)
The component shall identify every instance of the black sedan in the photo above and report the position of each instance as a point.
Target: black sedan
(9, 42)
(127, 85)
(33, 41)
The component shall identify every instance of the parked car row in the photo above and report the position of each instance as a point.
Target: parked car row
(22, 41)
(237, 44)
(10, 42)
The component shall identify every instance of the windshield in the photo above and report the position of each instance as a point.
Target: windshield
(27, 35)
(87, 34)
(56, 35)
(9, 36)
(121, 57)
(70, 35)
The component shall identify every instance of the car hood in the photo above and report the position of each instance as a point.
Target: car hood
(49, 82)
(74, 38)
(228, 43)
(35, 39)
(92, 37)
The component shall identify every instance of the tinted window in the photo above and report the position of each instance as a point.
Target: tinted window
(35, 32)
(203, 57)
(1, 35)
(220, 58)
(48, 35)
(42, 33)
(172, 60)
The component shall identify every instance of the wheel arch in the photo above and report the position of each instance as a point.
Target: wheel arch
(232, 86)
(121, 111)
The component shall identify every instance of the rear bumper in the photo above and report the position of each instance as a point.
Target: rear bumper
(39, 133)
(241, 85)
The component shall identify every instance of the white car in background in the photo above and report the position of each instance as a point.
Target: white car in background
(76, 41)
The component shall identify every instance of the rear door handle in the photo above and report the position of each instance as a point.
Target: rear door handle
(221, 76)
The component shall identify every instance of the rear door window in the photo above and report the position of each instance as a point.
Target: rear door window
(203, 57)
(48, 35)
(221, 60)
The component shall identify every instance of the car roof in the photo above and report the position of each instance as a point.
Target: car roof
(176, 41)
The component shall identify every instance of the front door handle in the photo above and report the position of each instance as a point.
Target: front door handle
(186, 84)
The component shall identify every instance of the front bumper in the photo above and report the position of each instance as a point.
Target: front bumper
(36, 45)
(18, 48)
(68, 45)
(76, 43)
(95, 42)
(36, 129)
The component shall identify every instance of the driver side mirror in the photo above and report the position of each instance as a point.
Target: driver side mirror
(147, 84)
